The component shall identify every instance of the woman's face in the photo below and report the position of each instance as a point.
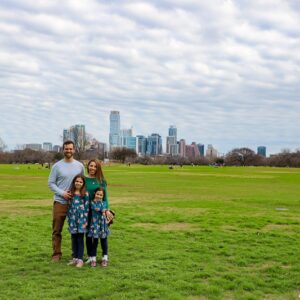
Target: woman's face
(92, 168)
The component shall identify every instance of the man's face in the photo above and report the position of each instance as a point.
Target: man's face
(69, 151)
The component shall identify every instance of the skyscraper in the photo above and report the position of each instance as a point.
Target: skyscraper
(173, 131)
(182, 148)
(171, 141)
(66, 135)
(262, 150)
(154, 144)
(78, 136)
(47, 146)
(114, 130)
(201, 149)
(141, 145)
(211, 152)
(76, 133)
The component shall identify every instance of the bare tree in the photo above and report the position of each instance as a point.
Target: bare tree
(122, 154)
(242, 157)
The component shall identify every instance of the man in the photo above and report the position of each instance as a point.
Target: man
(59, 182)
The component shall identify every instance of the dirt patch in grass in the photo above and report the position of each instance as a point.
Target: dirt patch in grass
(126, 185)
(185, 211)
(140, 199)
(17, 177)
(229, 228)
(280, 227)
(177, 227)
(223, 175)
(188, 212)
(25, 207)
(166, 227)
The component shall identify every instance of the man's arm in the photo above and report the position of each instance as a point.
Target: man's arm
(52, 184)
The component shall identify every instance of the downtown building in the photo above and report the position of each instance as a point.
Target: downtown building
(141, 145)
(192, 151)
(35, 147)
(127, 139)
(262, 150)
(154, 145)
(171, 142)
(118, 137)
(114, 130)
(47, 146)
(211, 152)
(75, 133)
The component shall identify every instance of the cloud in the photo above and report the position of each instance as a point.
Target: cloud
(225, 72)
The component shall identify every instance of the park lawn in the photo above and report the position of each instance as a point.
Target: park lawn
(185, 233)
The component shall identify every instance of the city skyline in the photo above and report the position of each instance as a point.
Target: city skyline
(225, 73)
(115, 126)
(124, 138)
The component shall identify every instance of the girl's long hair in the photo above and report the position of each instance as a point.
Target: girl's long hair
(73, 188)
(99, 173)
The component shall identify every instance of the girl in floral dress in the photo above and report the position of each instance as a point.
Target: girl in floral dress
(99, 226)
(77, 218)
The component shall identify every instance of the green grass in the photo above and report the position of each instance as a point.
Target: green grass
(186, 233)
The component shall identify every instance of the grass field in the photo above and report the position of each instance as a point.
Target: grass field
(187, 233)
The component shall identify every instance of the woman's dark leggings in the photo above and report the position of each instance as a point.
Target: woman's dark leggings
(92, 245)
(77, 245)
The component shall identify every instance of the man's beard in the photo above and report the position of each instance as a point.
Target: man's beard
(68, 155)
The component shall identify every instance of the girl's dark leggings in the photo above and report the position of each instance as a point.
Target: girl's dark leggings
(92, 245)
(77, 245)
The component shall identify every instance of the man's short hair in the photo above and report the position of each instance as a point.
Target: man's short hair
(68, 142)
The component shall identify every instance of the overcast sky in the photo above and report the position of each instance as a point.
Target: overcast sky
(225, 73)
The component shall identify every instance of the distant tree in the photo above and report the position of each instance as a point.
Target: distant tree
(5, 157)
(58, 156)
(242, 157)
(122, 153)
(32, 156)
(219, 161)
(200, 161)
(285, 159)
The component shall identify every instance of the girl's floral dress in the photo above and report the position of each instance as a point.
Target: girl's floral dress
(78, 213)
(99, 227)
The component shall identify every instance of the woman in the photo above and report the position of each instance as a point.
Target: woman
(95, 179)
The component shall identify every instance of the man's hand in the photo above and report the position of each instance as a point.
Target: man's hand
(67, 195)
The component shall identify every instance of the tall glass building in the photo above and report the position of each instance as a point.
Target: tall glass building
(154, 144)
(262, 150)
(201, 149)
(114, 129)
(173, 131)
(171, 145)
(141, 146)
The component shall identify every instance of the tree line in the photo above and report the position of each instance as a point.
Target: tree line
(236, 157)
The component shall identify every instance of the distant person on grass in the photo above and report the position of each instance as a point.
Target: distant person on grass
(77, 219)
(95, 179)
(60, 179)
(98, 224)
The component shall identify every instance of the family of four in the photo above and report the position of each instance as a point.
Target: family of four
(83, 200)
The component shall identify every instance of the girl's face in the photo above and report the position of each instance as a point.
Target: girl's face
(99, 195)
(92, 168)
(78, 183)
